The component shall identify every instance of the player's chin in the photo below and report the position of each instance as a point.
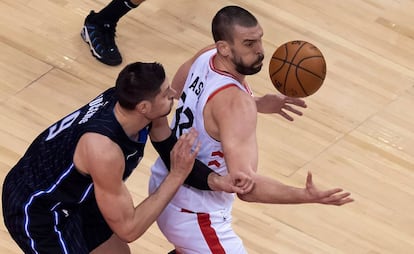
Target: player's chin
(258, 66)
(168, 112)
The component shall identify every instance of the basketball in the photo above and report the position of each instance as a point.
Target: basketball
(297, 69)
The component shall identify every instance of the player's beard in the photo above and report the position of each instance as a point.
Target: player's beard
(245, 69)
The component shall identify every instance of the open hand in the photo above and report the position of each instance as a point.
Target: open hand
(279, 104)
(328, 197)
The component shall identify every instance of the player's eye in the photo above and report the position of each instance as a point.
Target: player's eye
(249, 44)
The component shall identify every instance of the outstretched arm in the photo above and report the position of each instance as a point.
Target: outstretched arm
(268, 190)
(236, 119)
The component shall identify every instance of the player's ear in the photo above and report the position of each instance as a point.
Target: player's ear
(143, 107)
(223, 48)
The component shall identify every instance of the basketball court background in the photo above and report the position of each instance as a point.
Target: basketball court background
(357, 133)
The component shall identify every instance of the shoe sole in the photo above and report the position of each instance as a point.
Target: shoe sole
(85, 36)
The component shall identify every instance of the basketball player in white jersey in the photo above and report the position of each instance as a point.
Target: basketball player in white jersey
(216, 100)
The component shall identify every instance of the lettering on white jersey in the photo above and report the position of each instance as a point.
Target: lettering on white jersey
(196, 86)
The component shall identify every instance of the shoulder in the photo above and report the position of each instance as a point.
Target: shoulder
(232, 95)
(96, 151)
(211, 48)
(231, 103)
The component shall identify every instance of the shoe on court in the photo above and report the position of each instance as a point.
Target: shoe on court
(101, 40)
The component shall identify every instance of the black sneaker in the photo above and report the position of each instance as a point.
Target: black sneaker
(101, 40)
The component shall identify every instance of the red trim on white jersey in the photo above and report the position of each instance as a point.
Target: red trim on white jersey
(220, 89)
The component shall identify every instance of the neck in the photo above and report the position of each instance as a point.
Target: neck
(130, 120)
(223, 64)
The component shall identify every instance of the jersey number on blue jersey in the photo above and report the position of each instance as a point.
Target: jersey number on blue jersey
(62, 124)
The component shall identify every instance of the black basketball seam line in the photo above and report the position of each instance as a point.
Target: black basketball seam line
(286, 55)
(298, 67)
(297, 76)
(293, 58)
(296, 73)
(283, 60)
(314, 74)
(300, 83)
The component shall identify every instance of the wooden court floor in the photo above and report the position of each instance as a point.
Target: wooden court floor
(357, 133)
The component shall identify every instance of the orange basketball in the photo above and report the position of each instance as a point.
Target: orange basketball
(297, 69)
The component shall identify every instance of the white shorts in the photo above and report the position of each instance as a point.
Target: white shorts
(195, 233)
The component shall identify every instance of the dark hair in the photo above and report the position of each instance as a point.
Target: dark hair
(225, 20)
(137, 82)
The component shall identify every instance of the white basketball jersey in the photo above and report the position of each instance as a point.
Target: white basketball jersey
(203, 82)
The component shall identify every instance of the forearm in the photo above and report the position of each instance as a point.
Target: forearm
(267, 190)
(148, 210)
(199, 175)
(130, 223)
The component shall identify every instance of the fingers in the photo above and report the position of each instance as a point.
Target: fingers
(238, 190)
(296, 101)
(245, 184)
(309, 181)
(244, 188)
(342, 199)
(339, 199)
(195, 151)
(345, 201)
(187, 141)
(334, 196)
(286, 116)
(331, 192)
(239, 183)
(183, 154)
(293, 110)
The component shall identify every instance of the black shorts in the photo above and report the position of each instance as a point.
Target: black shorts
(80, 231)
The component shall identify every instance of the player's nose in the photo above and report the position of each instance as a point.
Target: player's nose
(172, 92)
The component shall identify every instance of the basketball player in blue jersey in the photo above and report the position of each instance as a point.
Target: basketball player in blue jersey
(67, 193)
(216, 100)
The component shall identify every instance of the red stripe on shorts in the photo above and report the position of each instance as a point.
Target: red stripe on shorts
(209, 233)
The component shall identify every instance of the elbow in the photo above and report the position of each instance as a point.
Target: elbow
(129, 238)
(129, 235)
